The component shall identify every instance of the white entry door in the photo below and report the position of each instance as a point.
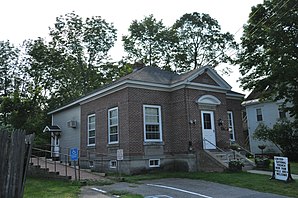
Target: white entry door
(208, 130)
(55, 146)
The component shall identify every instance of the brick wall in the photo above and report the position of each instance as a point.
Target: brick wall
(235, 106)
(177, 109)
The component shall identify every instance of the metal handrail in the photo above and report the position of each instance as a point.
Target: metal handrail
(38, 157)
(244, 149)
(221, 150)
(213, 145)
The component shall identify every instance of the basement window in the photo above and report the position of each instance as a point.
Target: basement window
(153, 163)
(91, 164)
(113, 164)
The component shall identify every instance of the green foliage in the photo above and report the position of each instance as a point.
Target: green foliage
(262, 163)
(50, 188)
(193, 41)
(8, 68)
(45, 75)
(200, 42)
(284, 135)
(148, 41)
(235, 165)
(268, 58)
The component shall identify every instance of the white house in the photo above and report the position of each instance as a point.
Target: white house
(267, 112)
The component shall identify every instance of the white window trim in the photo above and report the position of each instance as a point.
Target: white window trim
(233, 127)
(111, 163)
(159, 120)
(109, 129)
(89, 130)
(154, 166)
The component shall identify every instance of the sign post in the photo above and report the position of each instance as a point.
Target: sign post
(119, 158)
(281, 169)
(74, 156)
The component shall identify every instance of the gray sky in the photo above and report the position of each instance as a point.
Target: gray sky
(29, 19)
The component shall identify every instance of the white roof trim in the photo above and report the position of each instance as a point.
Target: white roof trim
(223, 87)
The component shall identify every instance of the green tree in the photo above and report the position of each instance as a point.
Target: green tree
(284, 135)
(9, 77)
(74, 62)
(201, 42)
(85, 45)
(268, 57)
(148, 41)
(8, 67)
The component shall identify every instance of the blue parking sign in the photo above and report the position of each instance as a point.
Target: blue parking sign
(74, 154)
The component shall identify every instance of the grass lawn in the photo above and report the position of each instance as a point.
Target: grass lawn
(62, 189)
(43, 188)
(294, 167)
(256, 182)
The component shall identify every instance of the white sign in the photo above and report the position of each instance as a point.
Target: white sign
(281, 168)
(119, 154)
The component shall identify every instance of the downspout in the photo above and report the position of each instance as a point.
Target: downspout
(186, 99)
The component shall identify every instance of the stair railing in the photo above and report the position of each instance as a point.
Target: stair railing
(221, 150)
(242, 148)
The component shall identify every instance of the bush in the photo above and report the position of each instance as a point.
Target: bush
(284, 135)
(235, 165)
(262, 163)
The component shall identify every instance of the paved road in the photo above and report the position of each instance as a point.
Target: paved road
(178, 188)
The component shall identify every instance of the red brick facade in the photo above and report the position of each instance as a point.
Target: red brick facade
(178, 97)
(177, 109)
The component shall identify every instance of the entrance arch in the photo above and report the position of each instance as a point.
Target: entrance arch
(208, 103)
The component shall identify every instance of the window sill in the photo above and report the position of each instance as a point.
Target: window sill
(110, 145)
(154, 143)
(90, 146)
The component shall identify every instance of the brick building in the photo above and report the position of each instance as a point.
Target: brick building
(160, 119)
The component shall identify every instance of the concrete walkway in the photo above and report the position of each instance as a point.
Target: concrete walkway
(67, 170)
(295, 177)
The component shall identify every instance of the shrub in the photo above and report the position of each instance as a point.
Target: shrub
(262, 162)
(235, 165)
(284, 135)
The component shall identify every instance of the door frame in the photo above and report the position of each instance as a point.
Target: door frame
(207, 145)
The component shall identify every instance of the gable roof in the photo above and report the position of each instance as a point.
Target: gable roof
(156, 78)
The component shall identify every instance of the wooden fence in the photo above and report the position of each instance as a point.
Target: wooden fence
(15, 151)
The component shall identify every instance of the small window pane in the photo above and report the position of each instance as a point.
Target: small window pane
(113, 129)
(92, 140)
(113, 121)
(207, 121)
(114, 138)
(151, 111)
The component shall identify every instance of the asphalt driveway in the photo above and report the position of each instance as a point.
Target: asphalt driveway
(176, 188)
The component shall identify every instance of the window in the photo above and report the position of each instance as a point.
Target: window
(282, 113)
(152, 123)
(91, 130)
(154, 163)
(259, 115)
(113, 125)
(113, 164)
(207, 121)
(231, 125)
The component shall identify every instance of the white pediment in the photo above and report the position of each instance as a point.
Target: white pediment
(208, 99)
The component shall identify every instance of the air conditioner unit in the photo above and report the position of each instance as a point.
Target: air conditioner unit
(72, 124)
